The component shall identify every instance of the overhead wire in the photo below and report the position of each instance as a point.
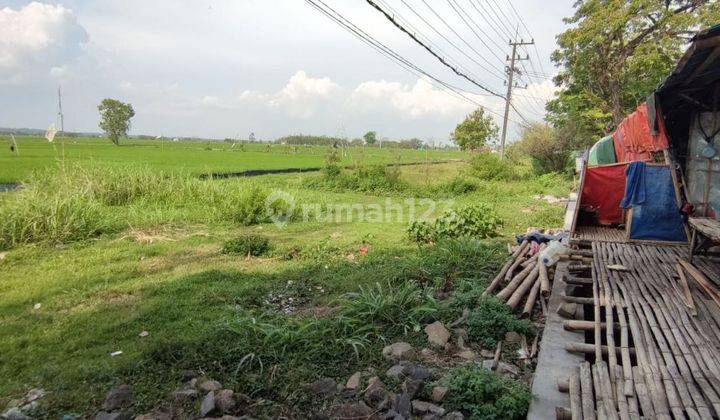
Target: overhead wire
(439, 57)
(389, 53)
(453, 5)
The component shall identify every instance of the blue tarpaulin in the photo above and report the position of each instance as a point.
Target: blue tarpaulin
(649, 191)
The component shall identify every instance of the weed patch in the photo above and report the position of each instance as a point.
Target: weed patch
(482, 394)
(490, 319)
(254, 245)
(473, 221)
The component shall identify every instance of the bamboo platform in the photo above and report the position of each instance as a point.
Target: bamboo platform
(588, 234)
(653, 335)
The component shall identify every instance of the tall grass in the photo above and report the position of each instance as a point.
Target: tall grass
(80, 203)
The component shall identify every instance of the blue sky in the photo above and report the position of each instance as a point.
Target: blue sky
(227, 68)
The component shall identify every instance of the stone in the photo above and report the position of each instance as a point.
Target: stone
(183, 395)
(396, 372)
(375, 392)
(402, 405)
(453, 415)
(427, 354)
(411, 387)
(225, 400)
(437, 334)
(467, 355)
(487, 354)
(155, 415)
(461, 337)
(438, 393)
(208, 404)
(567, 310)
(353, 381)
(188, 375)
(512, 337)
(14, 413)
(118, 397)
(207, 385)
(34, 394)
(352, 410)
(324, 387)
(399, 351)
(115, 415)
(392, 415)
(424, 407)
(417, 372)
(30, 407)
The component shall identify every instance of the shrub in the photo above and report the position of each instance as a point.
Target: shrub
(369, 179)
(456, 186)
(489, 167)
(491, 319)
(548, 148)
(475, 220)
(254, 245)
(482, 394)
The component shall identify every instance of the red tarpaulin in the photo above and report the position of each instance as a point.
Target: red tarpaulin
(603, 189)
(633, 139)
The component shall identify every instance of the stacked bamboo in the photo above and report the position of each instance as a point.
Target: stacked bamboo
(524, 278)
(656, 345)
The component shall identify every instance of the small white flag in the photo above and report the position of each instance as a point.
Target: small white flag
(50, 133)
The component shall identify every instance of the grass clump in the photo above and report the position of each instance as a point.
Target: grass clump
(253, 245)
(377, 179)
(489, 167)
(490, 319)
(482, 394)
(474, 221)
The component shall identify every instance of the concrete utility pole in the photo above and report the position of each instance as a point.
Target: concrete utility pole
(511, 70)
(61, 119)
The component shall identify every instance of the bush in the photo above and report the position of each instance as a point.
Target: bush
(254, 245)
(548, 148)
(476, 221)
(489, 167)
(368, 179)
(491, 319)
(482, 394)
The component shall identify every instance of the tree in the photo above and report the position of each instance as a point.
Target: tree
(475, 131)
(370, 138)
(549, 148)
(614, 55)
(115, 118)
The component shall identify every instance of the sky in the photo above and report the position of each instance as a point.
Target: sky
(226, 68)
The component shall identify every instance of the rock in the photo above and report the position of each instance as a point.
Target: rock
(427, 354)
(411, 387)
(353, 381)
(14, 413)
(375, 392)
(487, 354)
(417, 372)
(225, 400)
(352, 410)
(207, 385)
(401, 404)
(29, 408)
(34, 394)
(396, 372)
(115, 415)
(392, 415)
(438, 393)
(208, 404)
(188, 375)
(467, 355)
(424, 407)
(512, 337)
(437, 334)
(118, 397)
(461, 336)
(324, 387)
(184, 395)
(399, 351)
(155, 415)
(568, 310)
(453, 415)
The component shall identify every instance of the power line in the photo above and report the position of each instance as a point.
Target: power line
(414, 28)
(504, 19)
(450, 2)
(440, 58)
(522, 22)
(460, 37)
(445, 38)
(389, 53)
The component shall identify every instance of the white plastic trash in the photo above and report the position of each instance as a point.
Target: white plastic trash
(551, 254)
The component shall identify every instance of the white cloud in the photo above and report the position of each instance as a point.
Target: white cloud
(38, 39)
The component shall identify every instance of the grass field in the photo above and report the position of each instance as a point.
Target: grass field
(195, 157)
(115, 246)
